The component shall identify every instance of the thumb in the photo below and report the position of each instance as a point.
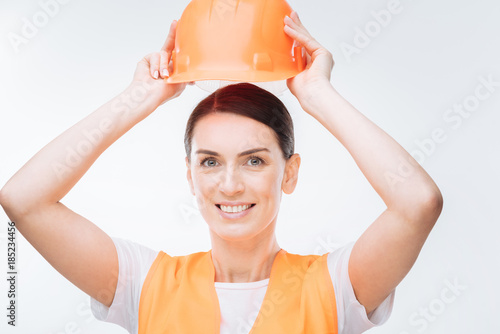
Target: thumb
(143, 65)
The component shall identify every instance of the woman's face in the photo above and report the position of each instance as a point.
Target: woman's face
(223, 170)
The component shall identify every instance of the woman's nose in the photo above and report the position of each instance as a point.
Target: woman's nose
(231, 183)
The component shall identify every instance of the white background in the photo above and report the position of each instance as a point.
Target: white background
(426, 59)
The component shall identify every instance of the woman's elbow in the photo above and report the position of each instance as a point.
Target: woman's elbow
(11, 203)
(431, 206)
(5, 203)
(3, 197)
(424, 209)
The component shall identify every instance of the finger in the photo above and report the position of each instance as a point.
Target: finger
(308, 60)
(143, 65)
(301, 35)
(307, 57)
(296, 44)
(296, 20)
(164, 60)
(295, 16)
(154, 65)
(170, 41)
(171, 66)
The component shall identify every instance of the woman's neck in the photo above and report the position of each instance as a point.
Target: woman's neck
(243, 261)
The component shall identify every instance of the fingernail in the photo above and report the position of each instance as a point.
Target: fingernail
(155, 75)
(165, 72)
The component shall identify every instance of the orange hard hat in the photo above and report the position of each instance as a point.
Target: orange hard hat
(223, 41)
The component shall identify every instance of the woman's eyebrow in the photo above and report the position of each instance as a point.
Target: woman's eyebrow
(253, 150)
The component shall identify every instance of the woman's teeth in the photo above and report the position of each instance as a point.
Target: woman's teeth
(231, 209)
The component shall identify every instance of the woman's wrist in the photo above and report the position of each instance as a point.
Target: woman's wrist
(314, 98)
(137, 99)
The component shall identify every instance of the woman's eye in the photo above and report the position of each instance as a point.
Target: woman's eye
(255, 161)
(252, 161)
(211, 162)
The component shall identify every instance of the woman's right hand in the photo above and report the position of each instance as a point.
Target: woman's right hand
(154, 68)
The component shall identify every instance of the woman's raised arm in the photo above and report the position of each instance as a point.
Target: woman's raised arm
(387, 250)
(73, 245)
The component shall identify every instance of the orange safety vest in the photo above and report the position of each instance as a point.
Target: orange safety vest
(179, 297)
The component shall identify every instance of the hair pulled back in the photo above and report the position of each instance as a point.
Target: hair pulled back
(248, 100)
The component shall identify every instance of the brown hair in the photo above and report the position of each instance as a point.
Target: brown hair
(248, 100)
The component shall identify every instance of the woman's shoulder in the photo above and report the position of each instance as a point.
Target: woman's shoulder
(331, 253)
(132, 253)
(130, 245)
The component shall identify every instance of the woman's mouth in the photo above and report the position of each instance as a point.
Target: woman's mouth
(234, 209)
(231, 212)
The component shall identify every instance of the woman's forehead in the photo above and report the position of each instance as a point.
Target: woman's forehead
(232, 131)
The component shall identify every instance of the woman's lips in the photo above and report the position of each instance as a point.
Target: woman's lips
(234, 215)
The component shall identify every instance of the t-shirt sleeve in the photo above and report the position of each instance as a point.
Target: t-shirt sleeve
(351, 315)
(134, 261)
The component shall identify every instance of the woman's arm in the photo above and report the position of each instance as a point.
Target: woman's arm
(73, 245)
(387, 250)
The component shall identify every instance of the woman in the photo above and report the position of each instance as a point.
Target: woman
(259, 287)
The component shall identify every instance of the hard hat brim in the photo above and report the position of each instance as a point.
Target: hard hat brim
(254, 76)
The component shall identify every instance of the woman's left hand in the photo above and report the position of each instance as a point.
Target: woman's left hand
(319, 64)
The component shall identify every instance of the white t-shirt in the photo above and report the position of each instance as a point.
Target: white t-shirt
(239, 302)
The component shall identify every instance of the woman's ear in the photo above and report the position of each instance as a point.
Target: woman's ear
(189, 178)
(291, 174)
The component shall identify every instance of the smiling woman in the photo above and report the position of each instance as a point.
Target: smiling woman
(240, 159)
(249, 172)
(251, 168)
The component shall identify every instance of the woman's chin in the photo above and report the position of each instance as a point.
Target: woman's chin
(233, 232)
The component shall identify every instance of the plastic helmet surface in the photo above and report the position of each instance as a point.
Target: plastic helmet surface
(219, 42)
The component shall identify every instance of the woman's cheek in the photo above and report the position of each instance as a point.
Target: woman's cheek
(208, 184)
